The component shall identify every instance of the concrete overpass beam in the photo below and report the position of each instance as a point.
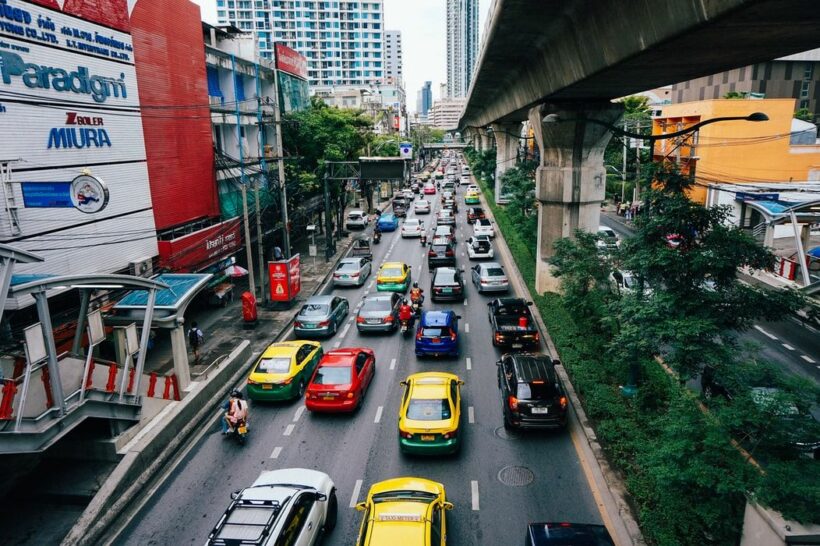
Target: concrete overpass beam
(506, 150)
(570, 181)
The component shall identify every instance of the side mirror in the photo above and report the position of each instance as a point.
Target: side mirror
(448, 505)
(235, 494)
(360, 506)
(556, 362)
(460, 382)
(498, 362)
(529, 303)
(321, 497)
(403, 383)
(458, 317)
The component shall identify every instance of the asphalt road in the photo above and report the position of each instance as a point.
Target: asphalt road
(789, 343)
(359, 450)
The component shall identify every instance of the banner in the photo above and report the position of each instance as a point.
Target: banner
(285, 279)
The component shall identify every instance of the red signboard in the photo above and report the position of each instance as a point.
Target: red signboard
(290, 61)
(202, 248)
(285, 279)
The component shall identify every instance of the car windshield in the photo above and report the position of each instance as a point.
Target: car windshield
(419, 496)
(411, 223)
(444, 276)
(494, 272)
(506, 310)
(435, 332)
(348, 266)
(443, 230)
(391, 272)
(439, 248)
(537, 390)
(332, 375)
(274, 365)
(314, 310)
(429, 410)
(354, 216)
(382, 305)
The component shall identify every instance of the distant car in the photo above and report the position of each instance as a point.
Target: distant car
(412, 227)
(449, 186)
(471, 198)
(445, 231)
(442, 252)
(356, 219)
(563, 534)
(792, 431)
(415, 187)
(532, 393)
(283, 370)
(489, 277)
(482, 226)
(512, 324)
(430, 414)
(445, 193)
(473, 187)
(437, 334)
(408, 194)
(422, 206)
(404, 511)
(479, 248)
(607, 239)
(626, 282)
(447, 284)
(285, 506)
(352, 271)
(474, 213)
(388, 222)
(341, 380)
(379, 313)
(445, 217)
(320, 316)
(393, 277)
(429, 189)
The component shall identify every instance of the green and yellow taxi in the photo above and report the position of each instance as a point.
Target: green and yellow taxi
(430, 414)
(284, 370)
(393, 277)
(471, 198)
(404, 512)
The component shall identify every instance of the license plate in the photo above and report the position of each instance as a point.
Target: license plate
(436, 340)
(374, 321)
(540, 411)
(267, 387)
(428, 437)
(243, 429)
(308, 326)
(448, 291)
(328, 397)
(517, 345)
(345, 276)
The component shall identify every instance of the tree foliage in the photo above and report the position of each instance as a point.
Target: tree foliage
(804, 114)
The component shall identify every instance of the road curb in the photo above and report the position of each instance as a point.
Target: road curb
(609, 489)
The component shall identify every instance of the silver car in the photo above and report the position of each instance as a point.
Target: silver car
(490, 277)
(320, 316)
(422, 206)
(352, 271)
(379, 313)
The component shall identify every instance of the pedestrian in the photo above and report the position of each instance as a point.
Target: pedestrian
(277, 254)
(195, 337)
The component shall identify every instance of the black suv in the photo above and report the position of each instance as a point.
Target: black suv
(532, 395)
(442, 253)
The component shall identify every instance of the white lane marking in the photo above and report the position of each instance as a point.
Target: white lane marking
(474, 491)
(469, 363)
(299, 411)
(354, 498)
(392, 363)
(345, 329)
(465, 303)
(466, 327)
(787, 346)
(764, 332)
(350, 319)
(289, 430)
(369, 286)
(378, 414)
(807, 359)
(337, 344)
(471, 415)
(276, 452)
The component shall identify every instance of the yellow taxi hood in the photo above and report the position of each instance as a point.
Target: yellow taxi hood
(407, 484)
(398, 524)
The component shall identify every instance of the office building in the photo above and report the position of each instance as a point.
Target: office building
(344, 42)
(445, 113)
(462, 45)
(425, 99)
(392, 57)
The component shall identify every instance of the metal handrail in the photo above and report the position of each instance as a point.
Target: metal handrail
(207, 369)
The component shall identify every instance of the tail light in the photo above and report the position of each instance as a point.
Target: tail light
(452, 336)
(252, 382)
(286, 381)
(360, 320)
(563, 401)
(537, 336)
(324, 323)
(512, 401)
(449, 435)
(405, 435)
(310, 395)
(498, 337)
(354, 275)
(349, 395)
(437, 290)
(389, 318)
(298, 324)
(449, 253)
(418, 334)
(431, 254)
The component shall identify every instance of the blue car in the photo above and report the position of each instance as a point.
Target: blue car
(388, 222)
(437, 334)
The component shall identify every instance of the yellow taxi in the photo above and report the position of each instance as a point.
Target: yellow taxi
(393, 277)
(404, 512)
(284, 370)
(471, 198)
(430, 414)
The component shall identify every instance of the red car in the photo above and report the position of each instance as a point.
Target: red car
(340, 380)
(429, 189)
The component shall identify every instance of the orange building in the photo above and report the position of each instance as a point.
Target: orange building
(780, 150)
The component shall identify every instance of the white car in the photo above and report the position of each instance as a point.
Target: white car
(473, 187)
(422, 206)
(479, 248)
(356, 219)
(408, 194)
(482, 226)
(290, 505)
(412, 227)
(608, 239)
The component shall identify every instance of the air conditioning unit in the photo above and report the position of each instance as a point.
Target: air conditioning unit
(142, 268)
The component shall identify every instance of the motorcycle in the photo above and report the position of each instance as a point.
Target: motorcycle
(423, 239)
(405, 327)
(416, 304)
(239, 432)
(377, 237)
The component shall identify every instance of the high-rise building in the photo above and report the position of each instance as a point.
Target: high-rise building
(445, 113)
(344, 42)
(425, 101)
(462, 45)
(392, 57)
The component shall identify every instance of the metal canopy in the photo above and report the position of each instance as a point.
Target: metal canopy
(86, 281)
(780, 212)
(171, 302)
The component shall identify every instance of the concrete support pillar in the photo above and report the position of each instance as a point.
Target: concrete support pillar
(570, 182)
(506, 151)
(179, 349)
(486, 143)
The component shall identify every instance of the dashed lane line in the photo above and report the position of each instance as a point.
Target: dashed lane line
(787, 346)
(337, 344)
(474, 491)
(465, 303)
(807, 359)
(764, 332)
(370, 285)
(289, 430)
(393, 364)
(299, 411)
(466, 327)
(350, 319)
(471, 415)
(379, 411)
(469, 363)
(345, 330)
(354, 498)
(276, 451)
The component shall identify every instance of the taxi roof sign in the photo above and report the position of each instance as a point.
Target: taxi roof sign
(400, 517)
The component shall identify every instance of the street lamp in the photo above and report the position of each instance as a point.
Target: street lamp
(622, 174)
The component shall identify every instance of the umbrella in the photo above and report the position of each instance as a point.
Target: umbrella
(235, 271)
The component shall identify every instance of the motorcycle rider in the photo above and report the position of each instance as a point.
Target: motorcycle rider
(236, 411)
(377, 232)
(416, 294)
(406, 313)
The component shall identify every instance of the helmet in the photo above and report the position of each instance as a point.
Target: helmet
(416, 284)
(404, 301)
(236, 393)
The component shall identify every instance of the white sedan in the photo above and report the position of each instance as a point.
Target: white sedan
(479, 248)
(422, 206)
(412, 227)
(483, 226)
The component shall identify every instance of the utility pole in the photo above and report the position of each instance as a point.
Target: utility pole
(248, 249)
(277, 118)
(259, 244)
(623, 171)
(330, 249)
(637, 192)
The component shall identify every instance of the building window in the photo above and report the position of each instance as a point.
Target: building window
(804, 89)
(808, 73)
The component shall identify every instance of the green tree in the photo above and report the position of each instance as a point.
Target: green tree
(584, 274)
(735, 95)
(637, 118)
(804, 114)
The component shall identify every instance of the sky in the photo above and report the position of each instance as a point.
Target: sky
(424, 42)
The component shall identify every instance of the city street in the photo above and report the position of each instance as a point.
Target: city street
(546, 483)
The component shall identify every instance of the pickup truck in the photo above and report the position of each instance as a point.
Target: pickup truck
(509, 327)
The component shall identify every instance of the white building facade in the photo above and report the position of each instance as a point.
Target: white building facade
(344, 42)
(446, 113)
(393, 58)
(462, 45)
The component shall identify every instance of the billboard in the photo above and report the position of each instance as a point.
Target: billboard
(285, 278)
(195, 251)
(290, 61)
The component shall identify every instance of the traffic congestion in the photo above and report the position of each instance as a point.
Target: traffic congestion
(412, 403)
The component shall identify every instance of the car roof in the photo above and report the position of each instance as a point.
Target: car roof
(530, 367)
(285, 348)
(355, 212)
(441, 241)
(437, 318)
(511, 301)
(351, 259)
(488, 265)
(319, 300)
(341, 357)
(392, 264)
(563, 534)
(430, 385)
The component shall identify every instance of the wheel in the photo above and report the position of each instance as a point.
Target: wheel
(332, 510)
(507, 424)
(301, 391)
(333, 330)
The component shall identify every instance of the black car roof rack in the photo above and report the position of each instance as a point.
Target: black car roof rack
(246, 522)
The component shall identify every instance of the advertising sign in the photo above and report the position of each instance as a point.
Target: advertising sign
(199, 249)
(290, 61)
(295, 272)
(406, 150)
(285, 279)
